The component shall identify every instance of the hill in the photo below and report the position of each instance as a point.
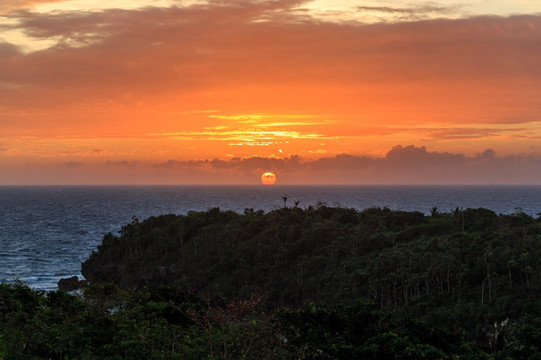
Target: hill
(315, 283)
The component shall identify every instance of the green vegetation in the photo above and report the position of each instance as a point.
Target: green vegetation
(316, 283)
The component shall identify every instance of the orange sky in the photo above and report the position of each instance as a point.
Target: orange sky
(219, 92)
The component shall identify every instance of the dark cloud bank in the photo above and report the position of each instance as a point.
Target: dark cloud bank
(401, 165)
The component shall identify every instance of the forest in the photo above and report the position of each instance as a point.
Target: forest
(315, 283)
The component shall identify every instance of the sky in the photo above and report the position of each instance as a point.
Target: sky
(318, 92)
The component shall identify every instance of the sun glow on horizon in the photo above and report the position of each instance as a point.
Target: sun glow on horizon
(268, 178)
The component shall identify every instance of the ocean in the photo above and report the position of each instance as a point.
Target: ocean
(46, 232)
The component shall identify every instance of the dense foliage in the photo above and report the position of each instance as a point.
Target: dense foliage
(163, 323)
(322, 282)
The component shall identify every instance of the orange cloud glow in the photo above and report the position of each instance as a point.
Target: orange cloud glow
(14, 5)
(142, 88)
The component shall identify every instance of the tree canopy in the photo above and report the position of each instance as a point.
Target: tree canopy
(322, 282)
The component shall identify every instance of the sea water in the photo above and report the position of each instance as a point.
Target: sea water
(46, 232)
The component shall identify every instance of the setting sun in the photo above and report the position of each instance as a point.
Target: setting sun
(268, 178)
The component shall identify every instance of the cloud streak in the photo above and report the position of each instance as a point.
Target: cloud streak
(422, 11)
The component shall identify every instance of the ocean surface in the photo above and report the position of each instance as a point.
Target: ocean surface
(46, 232)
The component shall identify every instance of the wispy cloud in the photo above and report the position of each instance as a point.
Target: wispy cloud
(259, 117)
(274, 120)
(7, 6)
(459, 133)
(246, 137)
(420, 11)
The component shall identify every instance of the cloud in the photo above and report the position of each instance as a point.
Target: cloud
(342, 162)
(409, 156)
(125, 71)
(487, 154)
(124, 163)
(418, 12)
(250, 164)
(108, 54)
(401, 165)
(7, 6)
(73, 164)
(170, 164)
(473, 133)
(408, 164)
(403, 10)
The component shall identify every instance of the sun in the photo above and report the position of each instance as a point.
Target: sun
(268, 178)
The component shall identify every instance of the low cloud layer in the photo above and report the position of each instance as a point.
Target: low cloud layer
(401, 165)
